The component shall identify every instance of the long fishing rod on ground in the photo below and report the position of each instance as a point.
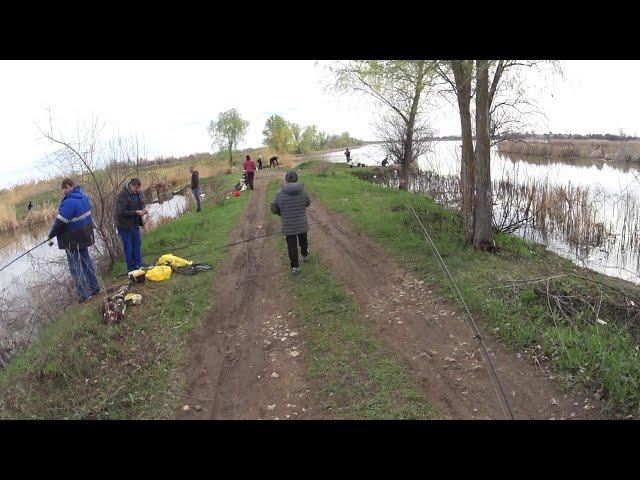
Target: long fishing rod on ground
(221, 246)
(495, 378)
(182, 247)
(22, 255)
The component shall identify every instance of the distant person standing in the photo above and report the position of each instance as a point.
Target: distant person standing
(73, 229)
(195, 186)
(250, 170)
(347, 154)
(273, 162)
(130, 209)
(291, 204)
(260, 162)
(30, 206)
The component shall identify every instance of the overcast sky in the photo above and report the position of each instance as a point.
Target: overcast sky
(168, 104)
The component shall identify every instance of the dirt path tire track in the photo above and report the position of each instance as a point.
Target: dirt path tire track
(430, 336)
(247, 335)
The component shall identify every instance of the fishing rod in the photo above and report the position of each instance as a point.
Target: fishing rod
(182, 247)
(20, 256)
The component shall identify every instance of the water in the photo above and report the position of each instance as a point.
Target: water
(45, 260)
(594, 220)
(38, 285)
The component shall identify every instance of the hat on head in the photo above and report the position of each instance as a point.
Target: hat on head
(291, 177)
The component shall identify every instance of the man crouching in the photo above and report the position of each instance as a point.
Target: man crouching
(291, 204)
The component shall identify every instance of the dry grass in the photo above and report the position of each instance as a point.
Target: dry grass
(179, 174)
(43, 214)
(23, 192)
(598, 149)
(8, 220)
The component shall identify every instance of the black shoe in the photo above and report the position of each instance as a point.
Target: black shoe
(96, 292)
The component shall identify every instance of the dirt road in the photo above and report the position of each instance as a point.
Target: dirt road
(248, 358)
(243, 363)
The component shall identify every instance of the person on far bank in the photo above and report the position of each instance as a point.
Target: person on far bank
(195, 186)
(130, 209)
(260, 162)
(291, 204)
(347, 154)
(73, 229)
(250, 170)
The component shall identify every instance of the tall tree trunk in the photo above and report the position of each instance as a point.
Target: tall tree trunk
(230, 154)
(408, 140)
(406, 158)
(462, 72)
(483, 202)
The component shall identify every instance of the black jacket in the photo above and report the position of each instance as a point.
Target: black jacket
(291, 204)
(195, 180)
(126, 206)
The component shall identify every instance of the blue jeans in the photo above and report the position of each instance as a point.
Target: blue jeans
(196, 193)
(83, 273)
(131, 244)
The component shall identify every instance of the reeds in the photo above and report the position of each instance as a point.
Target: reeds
(625, 151)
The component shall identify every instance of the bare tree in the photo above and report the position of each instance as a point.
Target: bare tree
(399, 85)
(503, 97)
(392, 131)
(103, 167)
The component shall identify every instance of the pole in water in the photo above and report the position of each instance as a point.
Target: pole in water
(20, 256)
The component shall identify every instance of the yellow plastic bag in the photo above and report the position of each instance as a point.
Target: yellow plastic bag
(159, 274)
(133, 298)
(173, 261)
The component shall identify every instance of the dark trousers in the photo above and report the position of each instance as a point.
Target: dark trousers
(250, 179)
(83, 272)
(196, 193)
(131, 244)
(293, 248)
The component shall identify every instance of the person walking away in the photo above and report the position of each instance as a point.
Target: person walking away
(195, 186)
(291, 204)
(73, 229)
(30, 206)
(130, 209)
(260, 162)
(250, 170)
(347, 154)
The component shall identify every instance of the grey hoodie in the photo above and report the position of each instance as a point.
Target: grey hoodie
(291, 204)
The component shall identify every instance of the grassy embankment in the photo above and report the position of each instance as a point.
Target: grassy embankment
(352, 375)
(565, 327)
(621, 151)
(81, 368)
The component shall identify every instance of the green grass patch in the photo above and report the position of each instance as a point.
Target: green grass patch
(80, 368)
(356, 377)
(603, 358)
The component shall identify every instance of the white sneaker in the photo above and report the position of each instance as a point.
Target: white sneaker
(295, 270)
(305, 259)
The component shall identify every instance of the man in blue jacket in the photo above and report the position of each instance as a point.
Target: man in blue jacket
(73, 229)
